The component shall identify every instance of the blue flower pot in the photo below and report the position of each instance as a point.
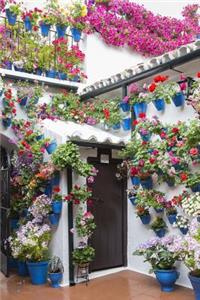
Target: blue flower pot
(12, 18)
(195, 281)
(55, 278)
(62, 76)
(126, 124)
(133, 200)
(167, 279)
(23, 101)
(6, 122)
(76, 34)
(24, 213)
(125, 107)
(184, 230)
(145, 219)
(8, 65)
(76, 78)
(18, 69)
(179, 99)
(56, 179)
(135, 180)
(160, 232)
(170, 183)
(172, 218)
(22, 269)
(38, 272)
(12, 263)
(116, 126)
(51, 73)
(54, 219)
(14, 224)
(159, 210)
(196, 188)
(146, 137)
(51, 147)
(147, 183)
(27, 24)
(38, 71)
(198, 36)
(44, 28)
(140, 107)
(40, 137)
(56, 207)
(159, 104)
(48, 189)
(61, 30)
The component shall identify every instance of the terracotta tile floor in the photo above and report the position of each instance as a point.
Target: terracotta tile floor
(125, 285)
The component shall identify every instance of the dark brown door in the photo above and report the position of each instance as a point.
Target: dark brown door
(109, 239)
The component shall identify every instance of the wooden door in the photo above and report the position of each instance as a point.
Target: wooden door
(109, 239)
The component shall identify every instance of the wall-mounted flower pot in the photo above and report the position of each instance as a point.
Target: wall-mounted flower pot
(18, 69)
(48, 189)
(6, 122)
(76, 34)
(24, 213)
(145, 219)
(76, 78)
(195, 281)
(135, 180)
(159, 104)
(12, 18)
(23, 101)
(147, 183)
(44, 28)
(54, 219)
(56, 207)
(51, 73)
(38, 71)
(22, 268)
(61, 30)
(38, 272)
(14, 224)
(116, 127)
(126, 124)
(146, 137)
(139, 108)
(167, 279)
(51, 147)
(56, 179)
(125, 107)
(198, 36)
(172, 218)
(133, 200)
(183, 230)
(27, 24)
(8, 65)
(196, 188)
(159, 210)
(62, 76)
(40, 137)
(179, 99)
(160, 232)
(55, 278)
(170, 182)
(1, 92)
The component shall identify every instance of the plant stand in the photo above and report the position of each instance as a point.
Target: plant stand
(82, 272)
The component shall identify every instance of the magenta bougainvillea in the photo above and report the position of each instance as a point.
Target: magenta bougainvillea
(122, 23)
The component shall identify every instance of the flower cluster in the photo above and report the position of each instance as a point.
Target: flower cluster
(40, 208)
(191, 204)
(181, 222)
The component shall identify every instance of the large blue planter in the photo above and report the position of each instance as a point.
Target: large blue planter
(23, 101)
(125, 107)
(51, 147)
(76, 34)
(6, 122)
(56, 179)
(167, 279)
(133, 200)
(145, 219)
(51, 73)
(55, 278)
(140, 107)
(54, 219)
(61, 30)
(38, 272)
(179, 99)
(146, 137)
(172, 218)
(56, 207)
(12, 263)
(184, 230)
(48, 189)
(22, 269)
(12, 18)
(159, 104)
(147, 183)
(126, 124)
(195, 281)
(27, 23)
(196, 188)
(135, 180)
(45, 29)
(160, 232)
(62, 76)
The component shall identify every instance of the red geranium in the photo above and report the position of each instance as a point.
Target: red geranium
(194, 151)
(106, 113)
(142, 115)
(175, 130)
(135, 122)
(152, 87)
(133, 171)
(56, 189)
(184, 176)
(198, 74)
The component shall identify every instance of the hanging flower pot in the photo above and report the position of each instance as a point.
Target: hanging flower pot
(51, 147)
(147, 183)
(51, 73)
(54, 219)
(38, 272)
(132, 200)
(38, 71)
(125, 106)
(23, 101)
(62, 76)
(135, 180)
(179, 99)
(195, 188)
(145, 219)
(126, 123)
(6, 122)
(12, 18)
(170, 182)
(27, 23)
(167, 279)
(116, 127)
(56, 207)
(45, 28)
(18, 68)
(76, 78)
(40, 137)
(160, 232)
(172, 218)
(159, 210)
(159, 104)
(8, 65)
(56, 179)
(76, 34)
(183, 230)
(61, 30)
(140, 107)
(145, 137)
(48, 189)
(14, 224)
(22, 269)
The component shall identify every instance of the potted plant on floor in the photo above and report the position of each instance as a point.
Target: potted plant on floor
(83, 255)
(159, 226)
(158, 252)
(55, 271)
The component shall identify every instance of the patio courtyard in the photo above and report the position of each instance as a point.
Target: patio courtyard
(125, 285)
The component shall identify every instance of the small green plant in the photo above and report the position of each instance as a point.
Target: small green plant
(55, 265)
(158, 223)
(83, 254)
